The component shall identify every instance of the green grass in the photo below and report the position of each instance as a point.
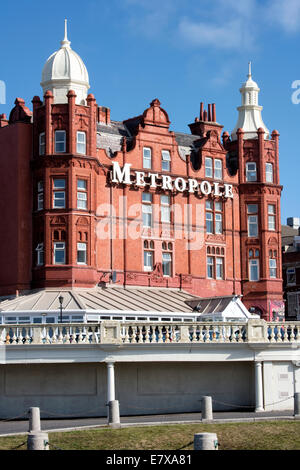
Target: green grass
(263, 435)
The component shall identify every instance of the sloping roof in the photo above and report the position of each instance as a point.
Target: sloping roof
(287, 235)
(102, 299)
(210, 305)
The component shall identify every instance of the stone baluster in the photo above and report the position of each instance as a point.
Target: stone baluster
(147, 334)
(19, 335)
(14, 337)
(126, 335)
(167, 338)
(48, 337)
(159, 334)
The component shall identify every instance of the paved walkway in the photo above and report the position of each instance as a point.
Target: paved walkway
(21, 427)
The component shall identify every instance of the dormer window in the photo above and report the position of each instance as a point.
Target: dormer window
(251, 172)
(60, 141)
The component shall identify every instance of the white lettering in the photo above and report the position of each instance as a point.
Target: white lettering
(228, 190)
(167, 182)
(217, 189)
(295, 95)
(140, 178)
(180, 184)
(153, 177)
(119, 176)
(193, 185)
(122, 175)
(206, 188)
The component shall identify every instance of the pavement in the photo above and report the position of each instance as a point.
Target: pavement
(15, 427)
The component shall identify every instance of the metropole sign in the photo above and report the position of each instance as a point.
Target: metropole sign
(123, 175)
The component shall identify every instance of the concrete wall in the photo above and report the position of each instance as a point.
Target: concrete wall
(62, 390)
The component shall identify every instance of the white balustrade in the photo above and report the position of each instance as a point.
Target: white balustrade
(148, 333)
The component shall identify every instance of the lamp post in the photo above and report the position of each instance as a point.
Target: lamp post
(61, 299)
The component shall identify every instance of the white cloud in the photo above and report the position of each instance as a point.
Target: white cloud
(286, 13)
(231, 35)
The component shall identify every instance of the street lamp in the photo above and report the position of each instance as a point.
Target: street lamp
(61, 299)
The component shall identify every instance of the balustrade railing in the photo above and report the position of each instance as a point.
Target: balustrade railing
(150, 333)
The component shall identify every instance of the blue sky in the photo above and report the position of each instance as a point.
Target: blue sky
(180, 51)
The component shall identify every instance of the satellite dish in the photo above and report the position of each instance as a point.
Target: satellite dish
(114, 276)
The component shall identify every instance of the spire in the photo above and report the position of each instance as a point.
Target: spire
(65, 42)
(249, 70)
(250, 119)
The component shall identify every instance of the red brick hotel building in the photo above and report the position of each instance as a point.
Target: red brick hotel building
(88, 201)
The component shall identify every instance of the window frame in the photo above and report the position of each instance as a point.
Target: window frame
(147, 210)
(59, 190)
(57, 250)
(270, 165)
(250, 223)
(272, 217)
(166, 158)
(82, 194)
(40, 254)
(248, 172)
(145, 158)
(209, 168)
(59, 142)
(78, 133)
(40, 195)
(216, 170)
(168, 263)
(273, 269)
(148, 254)
(82, 251)
(254, 262)
(165, 209)
(42, 145)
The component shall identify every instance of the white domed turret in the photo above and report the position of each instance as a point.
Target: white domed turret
(250, 119)
(64, 71)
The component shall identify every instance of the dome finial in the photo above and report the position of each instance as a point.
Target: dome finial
(249, 70)
(65, 42)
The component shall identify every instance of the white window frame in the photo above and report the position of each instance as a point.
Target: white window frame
(59, 190)
(252, 216)
(60, 142)
(273, 268)
(59, 247)
(208, 167)
(253, 263)
(167, 264)
(147, 210)
(210, 266)
(40, 254)
(82, 195)
(269, 173)
(251, 174)
(82, 248)
(147, 159)
(218, 169)
(165, 160)
(81, 144)
(271, 217)
(42, 143)
(219, 262)
(148, 260)
(165, 208)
